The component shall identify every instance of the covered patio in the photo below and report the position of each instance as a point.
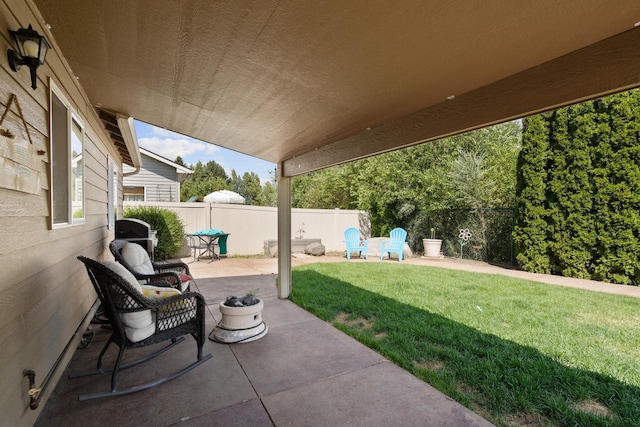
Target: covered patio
(305, 85)
(304, 372)
(309, 86)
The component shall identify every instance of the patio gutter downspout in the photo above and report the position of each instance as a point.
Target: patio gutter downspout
(128, 131)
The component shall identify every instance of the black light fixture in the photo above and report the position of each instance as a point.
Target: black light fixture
(32, 50)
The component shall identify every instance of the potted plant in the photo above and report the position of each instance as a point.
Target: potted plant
(432, 245)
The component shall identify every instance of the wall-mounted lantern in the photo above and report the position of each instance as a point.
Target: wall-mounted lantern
(32, 50)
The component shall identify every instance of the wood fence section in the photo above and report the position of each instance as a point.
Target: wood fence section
(250, 226)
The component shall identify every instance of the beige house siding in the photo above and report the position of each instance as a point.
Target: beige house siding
(45, 294)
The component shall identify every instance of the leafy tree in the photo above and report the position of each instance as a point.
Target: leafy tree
(204, 180)
(404, 188)
(180, 161)
(476, 171)
(248, 186)
(472, 190)
(237, 184)
(394, 188)
(324, 189)
(252, 187)
(502, 144)
(234, 179)
(269, 195)
(210, 177)
(469, 178)
(450, 173)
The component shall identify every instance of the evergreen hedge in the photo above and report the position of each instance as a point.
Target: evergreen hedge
(578, 191)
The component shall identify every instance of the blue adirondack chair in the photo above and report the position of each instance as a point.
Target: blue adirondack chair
(396, 244)
(355, 243)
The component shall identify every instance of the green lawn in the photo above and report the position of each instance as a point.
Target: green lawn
(517, 352)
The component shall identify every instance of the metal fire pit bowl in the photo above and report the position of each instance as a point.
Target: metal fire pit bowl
(239, 324)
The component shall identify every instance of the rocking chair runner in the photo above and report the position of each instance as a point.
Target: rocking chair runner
(138, 321)
(135, 259)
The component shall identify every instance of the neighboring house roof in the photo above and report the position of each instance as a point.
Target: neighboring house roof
(312, 84)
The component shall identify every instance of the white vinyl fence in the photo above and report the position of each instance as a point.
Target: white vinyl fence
(250, 226)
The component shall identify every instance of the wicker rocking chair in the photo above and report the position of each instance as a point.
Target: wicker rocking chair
(139, 321)
(135, 259)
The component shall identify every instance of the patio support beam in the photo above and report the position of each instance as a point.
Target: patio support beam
(284, 235)
(603, 68)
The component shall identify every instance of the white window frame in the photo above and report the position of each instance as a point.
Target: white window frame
(144, 193)
(72, 120)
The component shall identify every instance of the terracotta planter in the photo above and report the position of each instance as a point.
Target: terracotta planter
(432, 247)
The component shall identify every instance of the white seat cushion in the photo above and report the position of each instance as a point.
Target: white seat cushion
(137, 258)
(158, 293)
(138, 325)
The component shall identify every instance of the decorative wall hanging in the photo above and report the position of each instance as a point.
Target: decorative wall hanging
(19, 161)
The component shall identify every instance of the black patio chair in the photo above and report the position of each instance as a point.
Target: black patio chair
(138, 321)
(137, 261)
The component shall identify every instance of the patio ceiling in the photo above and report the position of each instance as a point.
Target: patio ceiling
(312, 84)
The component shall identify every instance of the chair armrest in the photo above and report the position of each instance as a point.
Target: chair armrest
(177, 310)
(194, 299)
(170, 277)
(162, 267)
(161, 284)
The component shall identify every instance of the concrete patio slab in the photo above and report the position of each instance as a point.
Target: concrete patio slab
(304, 372)
(378, 395)
(300, 353)
(250, 413)
(216, 384)
(279, 312)
(217, 289)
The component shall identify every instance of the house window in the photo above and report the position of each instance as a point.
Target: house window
(67, 165)
(112, 204)
(133, 194)
(77, 171)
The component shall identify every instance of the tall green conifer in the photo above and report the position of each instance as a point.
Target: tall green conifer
(531, 230)
(579, 181)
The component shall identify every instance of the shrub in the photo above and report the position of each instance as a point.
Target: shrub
(167, 224)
